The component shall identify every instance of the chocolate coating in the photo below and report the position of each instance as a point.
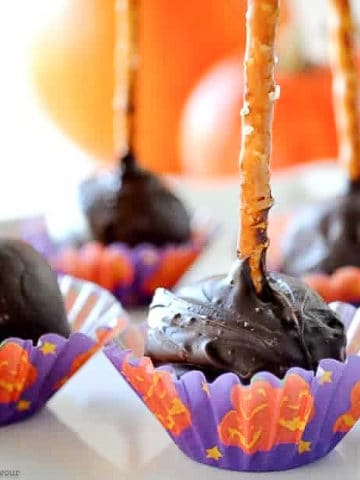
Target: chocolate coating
(134, 208)
(30, 300)
(221, 325)
(325, 238)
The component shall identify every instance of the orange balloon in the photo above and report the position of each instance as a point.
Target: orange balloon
(304, 126)
(72, 69)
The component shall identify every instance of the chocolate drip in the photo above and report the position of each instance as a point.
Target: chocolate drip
(221, 324)
(128, 163)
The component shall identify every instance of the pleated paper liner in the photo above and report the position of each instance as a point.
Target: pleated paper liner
(131, 274)
(269, 425)
(30, 374)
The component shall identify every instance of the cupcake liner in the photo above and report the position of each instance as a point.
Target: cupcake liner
(30, 375)
(269, 425)
(342, 285)
(130, 274)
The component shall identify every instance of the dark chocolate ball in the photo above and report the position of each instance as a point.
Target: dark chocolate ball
(30, 300)
(222, 325)
(324, 238)
(135, 207)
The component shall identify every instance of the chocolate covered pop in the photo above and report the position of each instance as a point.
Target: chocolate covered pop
(324, 239)
(139, 207)
(248, 320)
(30, 300)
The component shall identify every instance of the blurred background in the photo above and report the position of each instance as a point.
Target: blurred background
(56, 87)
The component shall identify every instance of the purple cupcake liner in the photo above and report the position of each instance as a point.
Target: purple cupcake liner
(145, 266)
(31, 374)
(269, 425)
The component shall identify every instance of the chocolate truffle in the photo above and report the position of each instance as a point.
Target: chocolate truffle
(222, 325)
(30, 300)
(134, 208)
(325, 238)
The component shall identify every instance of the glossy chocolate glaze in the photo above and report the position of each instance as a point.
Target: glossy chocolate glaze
(322, 239)
(222, 325)
(30, 300)
(134, 208)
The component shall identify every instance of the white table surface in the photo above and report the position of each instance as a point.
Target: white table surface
(96, 428)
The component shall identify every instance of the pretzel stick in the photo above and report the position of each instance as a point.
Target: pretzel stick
(260, 93)
(126, 66)
(345, 85)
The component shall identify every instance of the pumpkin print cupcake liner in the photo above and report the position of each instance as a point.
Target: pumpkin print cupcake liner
(31, 374)
(269, 425)
(131, 274)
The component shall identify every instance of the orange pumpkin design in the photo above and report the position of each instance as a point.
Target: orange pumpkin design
(174, 264)
(346, 421)
(77, 363)
(159, 394)
(106, 266)
(16, 372)
(342, 285)
(265, 416)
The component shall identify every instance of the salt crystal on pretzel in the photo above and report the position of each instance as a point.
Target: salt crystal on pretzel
(126, 61)
(260, 93)
(345, 85)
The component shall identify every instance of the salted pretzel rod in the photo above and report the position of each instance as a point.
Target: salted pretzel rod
(345, 85)
(126, 60)
(260, 93)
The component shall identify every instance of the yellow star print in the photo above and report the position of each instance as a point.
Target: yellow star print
(48, 348)
(304, 447)
(205, 388)
(213, 453)
(326, 377)
(23, 405)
